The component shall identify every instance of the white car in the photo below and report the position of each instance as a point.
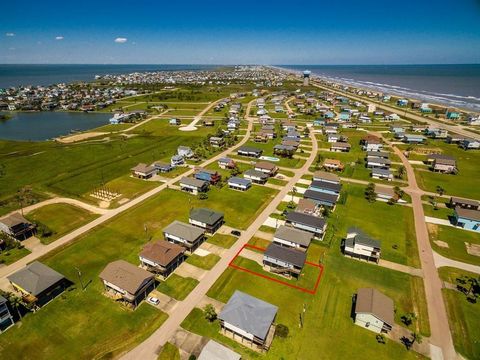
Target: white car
(153, 300)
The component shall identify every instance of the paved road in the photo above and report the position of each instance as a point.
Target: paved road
(7, 270)
(452, 128)
(441, 336)
(147, 350)
(196, 119)
(443, 261)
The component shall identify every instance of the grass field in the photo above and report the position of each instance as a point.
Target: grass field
(327, 313)
(464, 318)
(169, 352)
(60, 219)
(8, 257)
(455, 238)
(450, 274)
(177, 287)
(225, 241)
(203, 262)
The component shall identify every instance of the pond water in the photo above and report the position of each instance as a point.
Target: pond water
(37, 126)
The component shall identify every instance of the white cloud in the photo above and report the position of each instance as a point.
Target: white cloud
(120, 40)
(58, 37)
(9, 34)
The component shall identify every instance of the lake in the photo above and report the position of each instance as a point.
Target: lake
(38, 126)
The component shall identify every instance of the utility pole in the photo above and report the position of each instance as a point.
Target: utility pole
(79, 273)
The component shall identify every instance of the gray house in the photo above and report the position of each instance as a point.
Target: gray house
(250, 319)
(187, 235)
(256, 176)
(310, 223)
(361, 246)
(6, 319)
(284, 260)
(193, 186)
(293, 238)
(206, 219)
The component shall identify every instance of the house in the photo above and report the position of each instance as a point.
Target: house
(473, 119)
(446, 166)
(161, 257)
(432, 157)
(307, 206)
(360, 246)
(215, 351)
(413, 139)
(464, 203)
(266, 168)
(249, 151)
(177, 160)
(454, 139)
(333, 138)
(37, 283)
(6, 319)
(425, 108)
(452, 115)
(175, 122)
(467, 218)
(371, 143)
(127, 282)
(374, 311)
(249, 318)
(162, 167)
(183, 234)
(436, 133)
(208, 220)
(217, 142)
(292, 143)
(386, 193)
(378, 163)
(402, 102)
(193, 186)
(211, 176)
(284, 260)
(306, 222)
(340, 147)
(256, 176)
(321, 198)
(238, 183)
(325, 187)
(292, 238)
(469, 144)
(144, 171)
(333, 164)
(185, 152)
(378, 154)
(17, 226)
(226, 163)
(326, 177)
(382, 174)
(284, 150)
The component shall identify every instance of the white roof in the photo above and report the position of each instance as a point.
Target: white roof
(215, 351)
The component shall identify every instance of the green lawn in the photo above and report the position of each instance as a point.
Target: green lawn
(129, 187)
(177, 287)
(464, 318)
(439, 212)
(169, 352)
(60, 219)
(225, 241)
(8, 257)
(451, 274)
(327, 312)
(203, 262)
(455, 238)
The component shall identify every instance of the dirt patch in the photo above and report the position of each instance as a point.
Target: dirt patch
(426, 151)
(433, 229)
(80, 137)
(441, 244)
(473, 249)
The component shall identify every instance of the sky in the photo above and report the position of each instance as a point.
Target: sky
(240, 32)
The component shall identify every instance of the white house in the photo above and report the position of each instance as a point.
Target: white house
(361, 246)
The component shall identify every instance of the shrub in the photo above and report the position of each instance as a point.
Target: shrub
(281, 331)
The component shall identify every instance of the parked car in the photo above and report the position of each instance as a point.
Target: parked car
(236, 233)
(153, 300)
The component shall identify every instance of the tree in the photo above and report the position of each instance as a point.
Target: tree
(370, 194)
(326, 212)
(235, 171)
(281, 331)
(294, 192)
(399, 192)
(24, 196)
(318, 161)
(440, 190)
(408, 318)
(203, 196)
(16, 302)
(209, 312)
(401, 172)
(291, 205)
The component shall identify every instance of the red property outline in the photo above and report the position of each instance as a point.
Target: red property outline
(308, 291)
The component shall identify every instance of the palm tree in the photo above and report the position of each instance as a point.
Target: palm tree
(16, 302)
(294, 192)
(440, 190)
(401, 172)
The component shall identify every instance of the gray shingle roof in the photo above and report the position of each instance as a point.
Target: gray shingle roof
(255, 173)
(240, 181)
(362, 238)
(36, 278)
(320, 196)
(293, 235)
(183, 231)
(248, 313)
(193, 182)
(286, 254)
(306, 219)
(326, 185)
(205, 215)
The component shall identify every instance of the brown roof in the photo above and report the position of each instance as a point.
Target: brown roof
(14, 219)
(468, 213)
(125, 275)
(372, 301)
(385, 190)
(326, 176)
(143, 168)
(372, 139)
(464, 201)
(306, 205)
(161, 252)
(333, 162)
(265, 165)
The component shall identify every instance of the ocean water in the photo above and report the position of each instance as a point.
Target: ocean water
(19, 74)
(451, 85)
(37, 126)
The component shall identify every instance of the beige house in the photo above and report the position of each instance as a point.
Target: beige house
(374, 311)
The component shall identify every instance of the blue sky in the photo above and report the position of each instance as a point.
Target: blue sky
(229, 32)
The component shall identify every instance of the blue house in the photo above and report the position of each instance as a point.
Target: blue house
(402, 102)
(318, 122)
(321, 198)
(413, 139)
(207, 175)
(329, 115)
(452, 115)
(344, 116)
(467, 218)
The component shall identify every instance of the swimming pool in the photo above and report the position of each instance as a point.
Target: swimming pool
(269, 158)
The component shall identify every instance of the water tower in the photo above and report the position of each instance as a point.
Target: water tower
(306, 77)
